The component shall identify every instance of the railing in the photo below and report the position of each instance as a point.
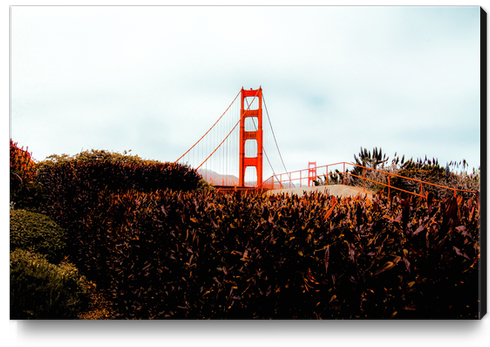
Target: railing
(302, 179)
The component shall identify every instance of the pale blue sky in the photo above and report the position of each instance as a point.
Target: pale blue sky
(153, 79)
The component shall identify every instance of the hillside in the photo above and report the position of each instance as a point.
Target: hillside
(218, 179)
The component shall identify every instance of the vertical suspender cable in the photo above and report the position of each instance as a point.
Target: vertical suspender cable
(274, 136)
(209, 128)
(241, 116)
(256, 127)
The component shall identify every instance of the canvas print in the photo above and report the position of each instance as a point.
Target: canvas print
(247, 162)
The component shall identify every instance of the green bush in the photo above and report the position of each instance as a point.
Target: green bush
(36, 232)
(205, 186)
(41, 290)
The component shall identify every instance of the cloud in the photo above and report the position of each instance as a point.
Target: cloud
(154, 79)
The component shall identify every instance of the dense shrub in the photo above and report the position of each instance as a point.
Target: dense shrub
(93, 171)
(37, 233)
(426, 170)
(72, 185)
(41, 290)
(210, 255)
(23, 189)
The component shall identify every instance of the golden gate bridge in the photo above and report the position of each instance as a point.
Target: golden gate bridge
(230, 155)
(234, 151)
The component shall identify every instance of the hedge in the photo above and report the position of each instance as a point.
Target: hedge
(201, 255)
(72, 185)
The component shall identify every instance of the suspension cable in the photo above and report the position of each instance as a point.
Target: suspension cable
(209, 130)
(263, 148)
(274, 136)
(243, 114)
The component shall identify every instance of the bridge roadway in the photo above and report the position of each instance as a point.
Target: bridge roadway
(338, 190)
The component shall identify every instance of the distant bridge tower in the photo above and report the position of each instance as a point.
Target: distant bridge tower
(311, 172)
(251, 130)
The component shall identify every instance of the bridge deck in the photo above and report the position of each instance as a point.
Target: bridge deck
(336, 189)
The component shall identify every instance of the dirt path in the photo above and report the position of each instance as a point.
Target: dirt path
(337, 190)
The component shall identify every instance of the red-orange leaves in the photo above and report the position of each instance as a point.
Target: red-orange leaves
(387, 266)
(326, 258)
(22, 173)
(237, 256)
(352, 251)
(333, 203)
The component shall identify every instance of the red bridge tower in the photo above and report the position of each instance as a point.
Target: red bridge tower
(255, 116)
